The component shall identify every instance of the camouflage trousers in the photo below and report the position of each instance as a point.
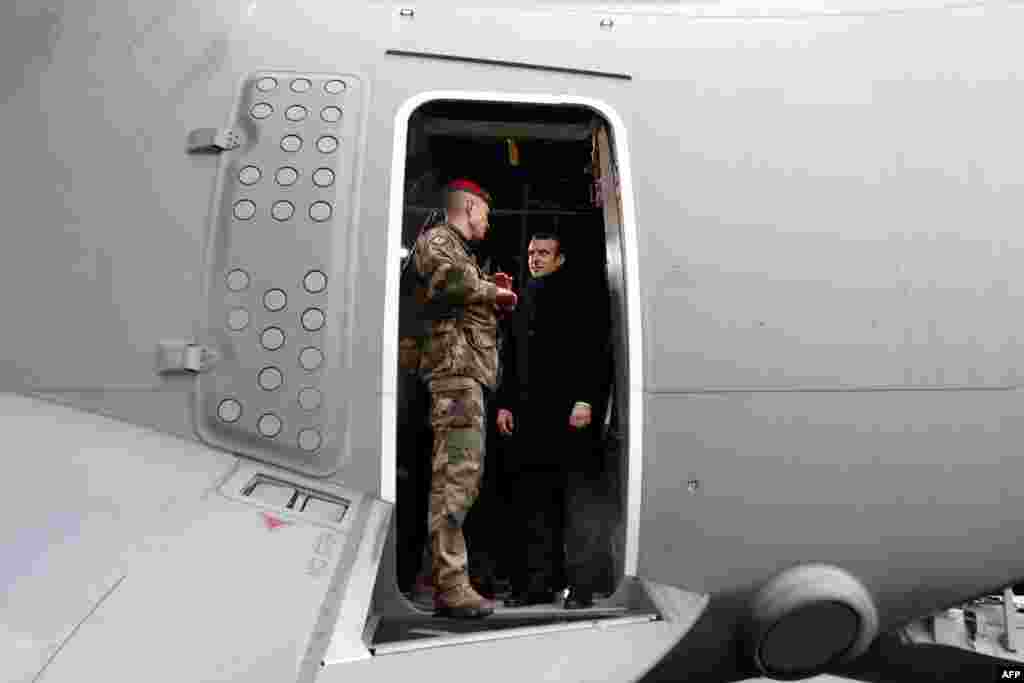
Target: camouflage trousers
(457, 416)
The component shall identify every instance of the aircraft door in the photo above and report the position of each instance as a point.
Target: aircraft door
(275, 301)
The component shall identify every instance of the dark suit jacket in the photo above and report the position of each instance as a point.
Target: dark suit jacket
(556, 353)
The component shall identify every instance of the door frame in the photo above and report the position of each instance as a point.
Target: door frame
(633, 381)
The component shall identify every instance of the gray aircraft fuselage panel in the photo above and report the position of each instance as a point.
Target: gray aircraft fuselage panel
(818, 272)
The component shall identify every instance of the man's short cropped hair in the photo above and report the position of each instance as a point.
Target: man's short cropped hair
(549, 236)
(466, 185)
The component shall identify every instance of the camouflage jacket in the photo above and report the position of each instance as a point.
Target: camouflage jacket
(462, 328)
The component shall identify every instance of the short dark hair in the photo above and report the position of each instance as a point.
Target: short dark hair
(549, 236)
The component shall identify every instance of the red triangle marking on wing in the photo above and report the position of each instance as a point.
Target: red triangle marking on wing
(273, 522)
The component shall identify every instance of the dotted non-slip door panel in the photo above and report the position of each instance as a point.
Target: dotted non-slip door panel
(282, 203)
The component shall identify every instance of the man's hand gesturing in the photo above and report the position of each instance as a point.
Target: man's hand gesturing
(506, 422)
(506, 299)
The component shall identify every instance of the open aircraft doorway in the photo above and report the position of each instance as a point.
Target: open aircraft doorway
(551, 169)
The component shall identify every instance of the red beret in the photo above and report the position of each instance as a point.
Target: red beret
(465, 185)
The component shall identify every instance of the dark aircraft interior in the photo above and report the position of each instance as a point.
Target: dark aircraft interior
(539, 162)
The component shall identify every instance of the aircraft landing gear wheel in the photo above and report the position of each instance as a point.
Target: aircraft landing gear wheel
(808, 618)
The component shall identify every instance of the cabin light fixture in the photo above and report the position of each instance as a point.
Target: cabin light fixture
(513, 152)
(607, 23)
(407, 12)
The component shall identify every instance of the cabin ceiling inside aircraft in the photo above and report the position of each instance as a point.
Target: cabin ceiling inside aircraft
(507, 129)
(504, 148)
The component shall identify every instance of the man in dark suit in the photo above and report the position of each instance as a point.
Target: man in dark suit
(555, 363)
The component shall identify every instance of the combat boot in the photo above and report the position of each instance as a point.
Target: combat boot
(423, 592)
(461, 602)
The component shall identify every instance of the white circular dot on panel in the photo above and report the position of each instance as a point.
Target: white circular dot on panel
(244, 210)
(272, 338)
(266, 84)
(334, 87)
(270, 425)
(330, 114)
(250, 175)
(291, 143)
(238, 319)
(271, 378)
(261, 110)
(310, 398)
(320, 211)
(301, 85)
(237, 280)
(314, 282)
(309, 439)
(275, 300)
(311, 358)
(282, 211)
(229, 410)
(327, 144)
(313, 319)
(286, 176)
(323, 177)
(296, 112)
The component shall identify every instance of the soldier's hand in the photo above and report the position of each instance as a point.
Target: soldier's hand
(580, 417)
(506, 298)
(506, 422)
(503, 280)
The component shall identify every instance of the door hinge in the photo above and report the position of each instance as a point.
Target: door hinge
(184, 357)
(212, 140)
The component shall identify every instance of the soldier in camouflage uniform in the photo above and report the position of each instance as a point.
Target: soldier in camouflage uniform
(459, 362)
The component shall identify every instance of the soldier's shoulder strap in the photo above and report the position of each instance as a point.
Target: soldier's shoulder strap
(409, 267)
(438, 237)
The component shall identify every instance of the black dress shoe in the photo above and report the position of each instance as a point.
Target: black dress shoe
(527, 598)
(577, 599)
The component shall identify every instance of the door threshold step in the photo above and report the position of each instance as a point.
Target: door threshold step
(425, 633)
